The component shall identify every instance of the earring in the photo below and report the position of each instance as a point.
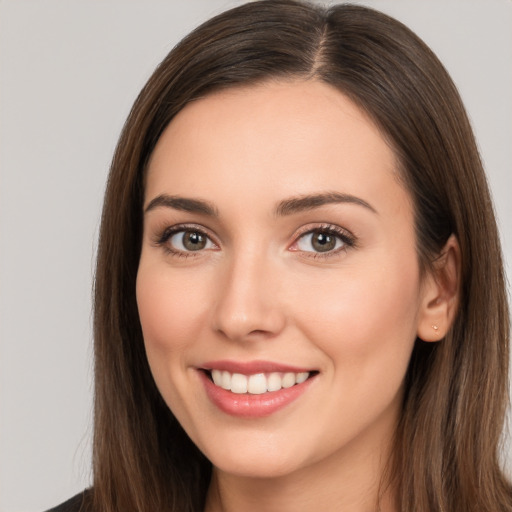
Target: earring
(436, 328)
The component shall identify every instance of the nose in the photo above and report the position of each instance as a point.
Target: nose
(248, 305)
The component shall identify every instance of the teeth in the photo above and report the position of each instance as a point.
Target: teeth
(302, 377)
(217, 377)
(238, 383)
(226, 380)
(274, 382)
(258, 383)
(288, 380)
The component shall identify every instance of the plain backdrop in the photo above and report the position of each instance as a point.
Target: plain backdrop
(69, 72)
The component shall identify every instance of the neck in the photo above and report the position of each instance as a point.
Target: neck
(352, 482)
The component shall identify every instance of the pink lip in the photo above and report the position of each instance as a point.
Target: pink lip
(247, 405)
(252, 367)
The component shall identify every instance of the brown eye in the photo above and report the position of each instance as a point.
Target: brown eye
(320, 241)
(323, 242)
(190, 240)
(194, 241)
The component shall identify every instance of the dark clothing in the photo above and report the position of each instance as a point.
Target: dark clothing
(75, 504)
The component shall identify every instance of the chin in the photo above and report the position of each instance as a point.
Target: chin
(260, 467)
(257, 457)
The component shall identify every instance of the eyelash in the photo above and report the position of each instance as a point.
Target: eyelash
(348, 240)
(167, 233)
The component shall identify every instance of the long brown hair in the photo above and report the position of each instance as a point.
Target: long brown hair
(447, 442)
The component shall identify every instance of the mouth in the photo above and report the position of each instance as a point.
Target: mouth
(256, 383)
(254, 389)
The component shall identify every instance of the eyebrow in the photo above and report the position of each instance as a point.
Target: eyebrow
(184, 204)
(285, 207)
(309, 202)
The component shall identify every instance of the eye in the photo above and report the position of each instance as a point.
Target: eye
(189, 240)
(323, 240)
(178, 240)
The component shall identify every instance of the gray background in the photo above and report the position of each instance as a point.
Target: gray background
(69, 72)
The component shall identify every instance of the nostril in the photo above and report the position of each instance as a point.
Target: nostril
(259, 332)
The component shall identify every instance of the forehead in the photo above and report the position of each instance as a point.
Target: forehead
(275, 139)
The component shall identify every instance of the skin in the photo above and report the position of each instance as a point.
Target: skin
(260, 291)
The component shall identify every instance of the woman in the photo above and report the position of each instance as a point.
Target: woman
(294, 307)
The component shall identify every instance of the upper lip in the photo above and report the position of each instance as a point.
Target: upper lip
(252, 367)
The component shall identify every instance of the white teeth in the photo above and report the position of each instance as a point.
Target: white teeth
(302, 377)
(257, 383)
(288, 380)
(226, 380)
(238, 383)
(217, 377)
(274, 382)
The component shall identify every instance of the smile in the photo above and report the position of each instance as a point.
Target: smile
(258, 383)
(256, 389)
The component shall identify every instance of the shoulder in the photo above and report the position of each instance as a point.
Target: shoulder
(78, 503)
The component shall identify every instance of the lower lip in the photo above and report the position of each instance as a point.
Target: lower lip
(252, 406)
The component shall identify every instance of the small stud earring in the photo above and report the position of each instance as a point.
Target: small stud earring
(436, 328)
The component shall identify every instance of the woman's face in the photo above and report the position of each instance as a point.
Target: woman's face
(279, 260)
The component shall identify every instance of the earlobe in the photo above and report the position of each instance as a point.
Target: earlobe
(440, 297)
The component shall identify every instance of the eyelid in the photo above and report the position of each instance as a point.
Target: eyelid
(348, 239)
(163, 235)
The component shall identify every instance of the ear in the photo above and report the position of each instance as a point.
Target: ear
(440, 293)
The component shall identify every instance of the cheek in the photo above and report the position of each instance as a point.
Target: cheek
(171, 311)
(365, 318)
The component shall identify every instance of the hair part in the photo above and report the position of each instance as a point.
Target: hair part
(446, 454)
